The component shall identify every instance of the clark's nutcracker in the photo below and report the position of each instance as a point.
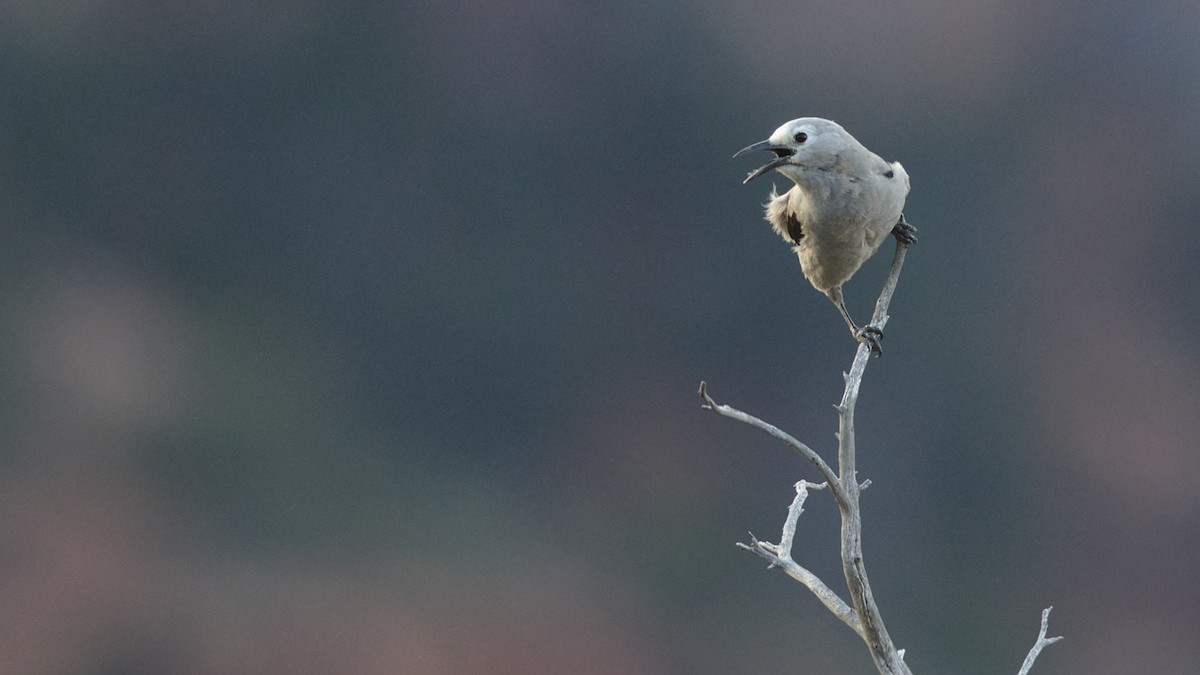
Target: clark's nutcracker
(845, 202)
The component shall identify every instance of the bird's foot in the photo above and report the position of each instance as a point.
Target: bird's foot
(871, 337)
(905, 233)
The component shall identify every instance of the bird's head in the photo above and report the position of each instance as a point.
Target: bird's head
(805, 143)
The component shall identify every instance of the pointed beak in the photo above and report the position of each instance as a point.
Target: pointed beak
(782, 153)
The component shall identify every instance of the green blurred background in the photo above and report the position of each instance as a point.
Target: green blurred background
(364, 337)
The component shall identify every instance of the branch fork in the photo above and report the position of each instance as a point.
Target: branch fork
(1041, 642)
(861, 614)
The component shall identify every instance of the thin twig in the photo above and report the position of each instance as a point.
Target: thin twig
(780, 555)
(1042, 641)
(788, 537)
(806, 452)
(836, 606)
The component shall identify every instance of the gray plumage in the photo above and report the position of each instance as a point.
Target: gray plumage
(845, 201)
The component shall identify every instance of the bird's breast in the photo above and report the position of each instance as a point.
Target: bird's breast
(845, 227)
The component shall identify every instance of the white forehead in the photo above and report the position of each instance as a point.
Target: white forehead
(810, 125)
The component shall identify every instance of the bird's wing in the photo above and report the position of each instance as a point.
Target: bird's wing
(783, 218)
(794, 231)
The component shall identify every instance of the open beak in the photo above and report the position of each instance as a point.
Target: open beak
(782, 153)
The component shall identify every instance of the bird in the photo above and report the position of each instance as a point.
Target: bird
(845, 201)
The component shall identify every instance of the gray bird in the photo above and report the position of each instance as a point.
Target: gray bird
(845, 202)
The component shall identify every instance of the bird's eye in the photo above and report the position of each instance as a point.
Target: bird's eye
(800, 137)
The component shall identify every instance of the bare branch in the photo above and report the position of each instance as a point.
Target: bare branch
(862, 615)
(780, 555)
(888, 660)
(787, 538)
(1042, 641)
(806, 452)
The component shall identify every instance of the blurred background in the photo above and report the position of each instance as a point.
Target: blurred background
(364, 337)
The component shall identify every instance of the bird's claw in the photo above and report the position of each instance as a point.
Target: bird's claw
(871, 337)
(905, 233)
